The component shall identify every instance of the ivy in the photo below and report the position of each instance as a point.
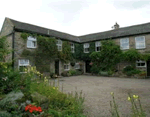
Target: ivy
(108, 57)
(131, 55)
(46, 51)
(4, 48)
(65, 55)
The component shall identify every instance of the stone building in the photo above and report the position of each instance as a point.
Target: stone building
(137, 36)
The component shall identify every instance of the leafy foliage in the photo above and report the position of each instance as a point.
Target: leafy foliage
(131, 55)
(130, 70)
(108, 57)
(4, 48)
(65, 55)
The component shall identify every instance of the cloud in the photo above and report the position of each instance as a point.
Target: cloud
(77, 17)
(130, 4)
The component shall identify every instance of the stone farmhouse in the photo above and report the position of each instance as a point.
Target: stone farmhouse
(137, 36)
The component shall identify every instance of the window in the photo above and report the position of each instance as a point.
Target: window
(86, 48)
(77, 66)
(124, 43)
(72, 47)
(97, 46)
(140, 63)
(66, 66)
(23, 63)
(31, 42)
(140, 42)
(59, 45)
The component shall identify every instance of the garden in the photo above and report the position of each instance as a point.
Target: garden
(31, 94)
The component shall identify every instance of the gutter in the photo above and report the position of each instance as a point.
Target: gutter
(13, 45)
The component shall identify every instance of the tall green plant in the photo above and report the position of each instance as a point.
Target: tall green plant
(109, 55)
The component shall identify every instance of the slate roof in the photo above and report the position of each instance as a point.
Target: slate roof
(115, 33)
(44, 31)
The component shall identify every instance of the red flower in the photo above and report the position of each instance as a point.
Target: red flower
(30, 110)
(33, 108)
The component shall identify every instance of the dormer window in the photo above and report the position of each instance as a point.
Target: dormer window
(31, 42)
(59, 45)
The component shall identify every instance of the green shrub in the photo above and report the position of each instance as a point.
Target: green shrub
(95, 69)
(72, 72)
(78, 72)
(59, 103)
(65, 73)
(8, 78)
(130, 70)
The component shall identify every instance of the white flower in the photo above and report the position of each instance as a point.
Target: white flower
(5, 78)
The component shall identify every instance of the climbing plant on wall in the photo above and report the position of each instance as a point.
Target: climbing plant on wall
(4, 48)
(47, 50)
(79, 51)
(109, 55)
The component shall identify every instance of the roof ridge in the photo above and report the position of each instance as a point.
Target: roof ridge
(40, 26)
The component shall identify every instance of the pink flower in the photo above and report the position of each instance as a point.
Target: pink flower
(91, 63)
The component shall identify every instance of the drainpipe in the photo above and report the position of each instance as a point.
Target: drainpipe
(13, 39)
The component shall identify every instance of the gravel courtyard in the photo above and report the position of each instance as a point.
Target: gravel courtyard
(97, 93)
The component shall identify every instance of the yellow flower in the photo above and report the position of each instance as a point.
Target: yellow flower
(135, 96)
(129, 98)
(53, 87)
(112, 93)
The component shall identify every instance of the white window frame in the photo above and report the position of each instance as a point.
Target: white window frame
(121, 43)
(97, 44)
(59, 44)
(30, 40)
(77, 66)
(140, 42)
(140, 63)
(68, 64)
(86, 45)
(26, 64)
(72, 47)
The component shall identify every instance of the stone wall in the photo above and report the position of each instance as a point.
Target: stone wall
(7, 27)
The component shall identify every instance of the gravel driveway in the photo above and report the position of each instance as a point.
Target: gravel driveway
(97, 93)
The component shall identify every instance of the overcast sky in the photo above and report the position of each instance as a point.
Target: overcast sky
(77, 17)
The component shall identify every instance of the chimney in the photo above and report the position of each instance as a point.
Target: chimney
(116, 26)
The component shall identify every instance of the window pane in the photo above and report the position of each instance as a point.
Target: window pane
(97, 48)
(29, 43)
(33, 44)
(59, 48)
(22, 61)
(140, 39)
(125, 45)
(142, 64)
(126, 40)
(98, 44)
(140, 45)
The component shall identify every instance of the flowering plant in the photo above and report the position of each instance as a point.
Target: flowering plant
(91, 63)
(33, 109)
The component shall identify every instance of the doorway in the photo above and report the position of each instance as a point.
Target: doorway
(88, 67)
(57, 67)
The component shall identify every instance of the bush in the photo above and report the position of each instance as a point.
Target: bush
(78, 72)
(65, 73)
(95, 69)
(59, 103)
(8, 78)
(72, 72)
(130, 70)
